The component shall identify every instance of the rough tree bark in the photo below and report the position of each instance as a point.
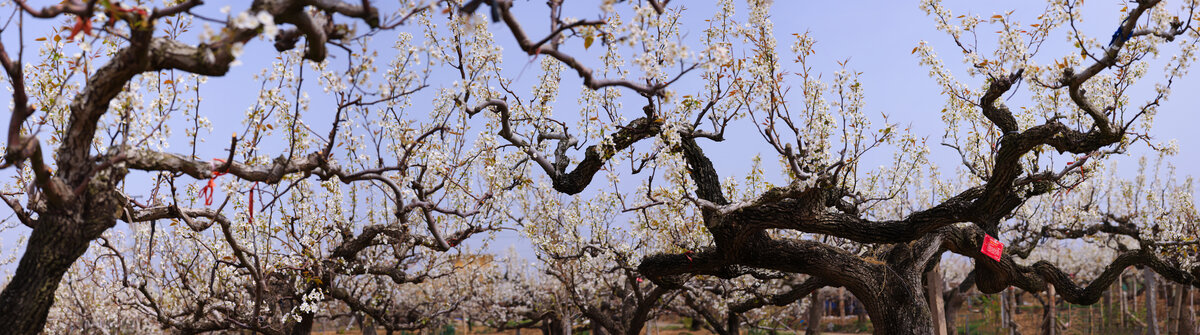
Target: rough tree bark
(1186, 315)
(51, 250)
(814, 313)
(365, 324)
(933, 285)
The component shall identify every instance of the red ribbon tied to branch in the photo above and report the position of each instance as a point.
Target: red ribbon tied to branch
(208, 190)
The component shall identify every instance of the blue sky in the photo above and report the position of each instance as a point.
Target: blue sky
(876, 36)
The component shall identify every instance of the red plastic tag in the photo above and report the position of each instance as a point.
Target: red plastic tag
(992, 247)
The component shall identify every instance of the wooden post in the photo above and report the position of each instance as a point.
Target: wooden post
(1014, 307)
(933, 289)
(1004, 309)
(1105, 307)
(967, 315)
(1090, 319)
(1180, 291)
(1051, 321)
(1151, 302)
(1180, 299)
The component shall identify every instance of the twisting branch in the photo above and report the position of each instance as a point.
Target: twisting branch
(18, 210)
(594, 156)
(147, 160)
(504, 7)
(997, 112)
(181, 213)
(995, 276)
(659, 6)
(1074, 81)
(175, 9)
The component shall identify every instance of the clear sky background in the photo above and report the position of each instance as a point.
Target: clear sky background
(876, 36)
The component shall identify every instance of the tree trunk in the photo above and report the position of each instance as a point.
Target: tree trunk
(1121, 297)
(900, 308)
(1187, 323)
(1151, 305)
(1185, 291)
(814, 313)
(1189, 314)
(304, 327)
(841, 303)
(366, 324)
(53, 246)
(1181, 310)
(954, 300)
(564, 326)
(731, 324)
(951, 306)
(933, 285)
(1009, 305)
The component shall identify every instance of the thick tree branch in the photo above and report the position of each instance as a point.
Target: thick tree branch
(147, 160)
(181, 213)
(595, 156)
(995, 276)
